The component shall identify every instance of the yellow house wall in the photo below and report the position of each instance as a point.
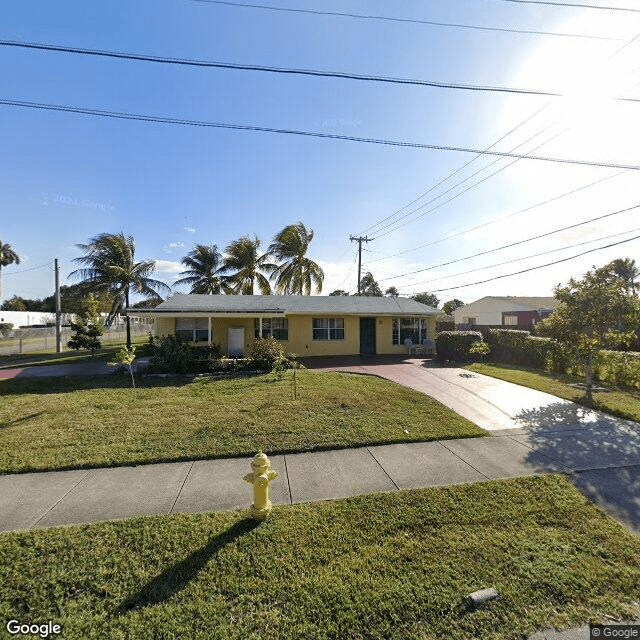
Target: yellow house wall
(164, 326)
(301, 340)
(220, 332)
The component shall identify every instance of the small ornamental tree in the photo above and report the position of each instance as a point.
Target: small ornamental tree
(126, 356)
(479, 349)
(88, 329)
(589, 317)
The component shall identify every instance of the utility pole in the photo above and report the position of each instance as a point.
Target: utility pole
(359, 240)
(58, 309)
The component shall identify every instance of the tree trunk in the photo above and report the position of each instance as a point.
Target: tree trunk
(589, 377)
(126, 315)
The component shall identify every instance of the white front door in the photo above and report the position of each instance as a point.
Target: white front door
(236, 342)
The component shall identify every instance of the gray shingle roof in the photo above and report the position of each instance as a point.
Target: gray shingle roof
(353, 305)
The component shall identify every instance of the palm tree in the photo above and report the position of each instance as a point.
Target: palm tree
(7, 256)
(244, 263)
(369, 286)
(296, 272)
(109, 267)
(202, 274)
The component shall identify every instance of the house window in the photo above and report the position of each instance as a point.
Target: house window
(193, 329)
(412, 328)
(277, 328)
(510, 319)
(471, 321)
(328, 328)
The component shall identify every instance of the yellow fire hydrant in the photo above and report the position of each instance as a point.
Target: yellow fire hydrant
(260, 477)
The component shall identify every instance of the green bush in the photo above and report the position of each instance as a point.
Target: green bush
(620, 368)
(508, 345)
(511, 346)
(5, 328)
(267, 354)
(173, 355)
(455, 345)
(211, 352)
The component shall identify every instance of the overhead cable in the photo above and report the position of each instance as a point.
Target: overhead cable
(513, 244)
(464, 166)
(508, 275)
(455, 25)
(500, 218)
(282, 70)
(534, 255)
(574, 5)
(314, 134)
(472, 186)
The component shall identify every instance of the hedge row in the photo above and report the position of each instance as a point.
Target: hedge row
(454, 345)
(521, 348)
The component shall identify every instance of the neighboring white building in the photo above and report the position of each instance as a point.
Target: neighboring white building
(504, 311)
(26, 318)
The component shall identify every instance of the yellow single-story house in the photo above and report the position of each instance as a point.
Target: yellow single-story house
(305, 325)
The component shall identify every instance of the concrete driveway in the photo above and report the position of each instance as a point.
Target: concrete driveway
(497, 406)
(603, 452)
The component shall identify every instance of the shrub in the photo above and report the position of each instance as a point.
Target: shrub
(455, 345)
(172, 355)
(479, 349)
(211, 352)
(513, 346)
(620, 368)
(267, 354)
(507, 345)
(5, 328)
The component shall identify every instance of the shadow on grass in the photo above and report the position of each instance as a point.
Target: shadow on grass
(6, 425)
(68, 384)
(178, 576)
(603, 451)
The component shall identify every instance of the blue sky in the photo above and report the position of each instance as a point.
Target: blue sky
(65, 178)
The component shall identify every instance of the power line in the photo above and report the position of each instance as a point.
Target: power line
(475, 184)
(15, 273)
(508, 275)
(613, 55)
(345, 75)
(513, 244)
(504, 217)
(534, 255)
(575, 6)
(282, 70)
(433, 23)
(435, 186)
(314, 134)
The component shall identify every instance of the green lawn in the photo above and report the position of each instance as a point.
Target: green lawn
(59, 423)
(390, 566)
(625, 404)
(66, 357)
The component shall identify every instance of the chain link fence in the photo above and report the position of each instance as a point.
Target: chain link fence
(41, 339)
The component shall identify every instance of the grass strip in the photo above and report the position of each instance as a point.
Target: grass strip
(393, 566)
(67, 357)
(617, 402)
(63, 423)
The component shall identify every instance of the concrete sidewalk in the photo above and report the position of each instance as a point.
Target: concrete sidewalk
(36, 500)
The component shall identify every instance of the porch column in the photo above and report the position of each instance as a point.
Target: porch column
(419, 330)
(209, 328)
(260, 326)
